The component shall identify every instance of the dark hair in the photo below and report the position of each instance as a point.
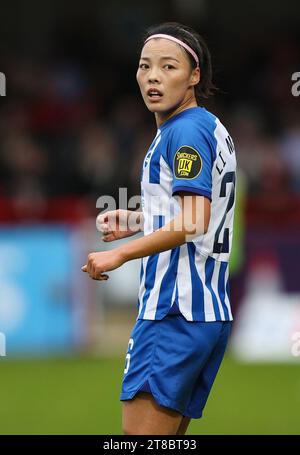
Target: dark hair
(205, 87)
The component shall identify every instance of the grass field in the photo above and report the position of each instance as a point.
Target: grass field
(81, 396)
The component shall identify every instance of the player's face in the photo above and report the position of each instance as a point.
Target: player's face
(166, 78)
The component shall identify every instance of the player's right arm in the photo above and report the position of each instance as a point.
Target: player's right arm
(118, 224)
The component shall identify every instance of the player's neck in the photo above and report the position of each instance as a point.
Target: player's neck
(162, 117)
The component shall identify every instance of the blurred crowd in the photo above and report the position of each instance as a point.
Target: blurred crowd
(70, 131)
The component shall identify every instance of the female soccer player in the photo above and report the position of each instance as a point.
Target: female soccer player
(188, 192)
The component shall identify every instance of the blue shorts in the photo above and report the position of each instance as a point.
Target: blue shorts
(175, 360)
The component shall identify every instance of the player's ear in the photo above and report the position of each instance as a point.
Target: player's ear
(195, 76)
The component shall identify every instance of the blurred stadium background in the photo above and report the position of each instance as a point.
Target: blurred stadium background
(73, 127)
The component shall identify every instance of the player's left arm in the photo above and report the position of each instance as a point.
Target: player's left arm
(192, 221)
(190, 160)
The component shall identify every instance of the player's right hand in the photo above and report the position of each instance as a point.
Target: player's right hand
(114, 224)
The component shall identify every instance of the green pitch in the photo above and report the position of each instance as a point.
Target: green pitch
(81, 396)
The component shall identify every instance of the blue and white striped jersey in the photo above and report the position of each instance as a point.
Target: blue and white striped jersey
(192, 151)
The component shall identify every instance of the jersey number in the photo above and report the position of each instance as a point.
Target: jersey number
(223, 247)
(130, 346)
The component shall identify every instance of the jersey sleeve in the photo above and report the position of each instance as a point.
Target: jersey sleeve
(191, 154)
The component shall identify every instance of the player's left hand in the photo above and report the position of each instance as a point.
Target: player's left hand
(101, 262)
